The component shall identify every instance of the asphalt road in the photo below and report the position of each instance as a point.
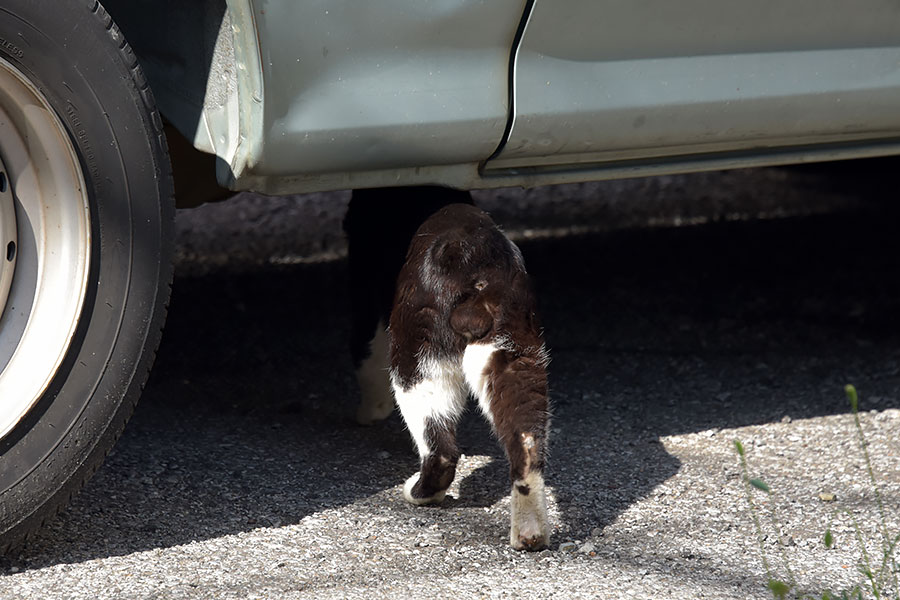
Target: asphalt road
(242, 475)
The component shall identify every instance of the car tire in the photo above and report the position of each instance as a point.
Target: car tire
(86, 219)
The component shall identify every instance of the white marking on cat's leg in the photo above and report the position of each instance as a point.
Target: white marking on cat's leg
(373, 376)
(474, 365)
(439, 396)
(437, 399)
(529, 525)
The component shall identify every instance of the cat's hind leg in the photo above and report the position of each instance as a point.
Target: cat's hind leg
(431, 406)
(511, 387)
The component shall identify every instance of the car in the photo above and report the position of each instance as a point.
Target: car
(104, 105)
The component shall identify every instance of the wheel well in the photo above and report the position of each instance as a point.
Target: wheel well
(186, 50)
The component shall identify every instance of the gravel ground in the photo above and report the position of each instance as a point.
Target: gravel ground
(678, 321)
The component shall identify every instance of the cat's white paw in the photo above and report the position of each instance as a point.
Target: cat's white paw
(408, 496)
(377, 399)
(529, 525)
(376, 405)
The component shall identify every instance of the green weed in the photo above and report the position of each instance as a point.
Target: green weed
(876, 575)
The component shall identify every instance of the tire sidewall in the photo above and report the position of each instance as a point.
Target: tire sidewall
(77, 58)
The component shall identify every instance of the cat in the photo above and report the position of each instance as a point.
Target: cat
(461, 320)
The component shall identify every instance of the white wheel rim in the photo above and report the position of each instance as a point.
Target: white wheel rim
(45, 213)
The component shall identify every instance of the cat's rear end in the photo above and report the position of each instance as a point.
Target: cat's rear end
(464, 321)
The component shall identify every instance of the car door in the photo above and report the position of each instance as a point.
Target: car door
(599, 81)
(363, 86)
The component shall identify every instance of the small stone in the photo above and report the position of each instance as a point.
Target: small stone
(826, 497)
(567, 547)
(596, 532)
(787, 540)
(786, 419)
(384, 455)
(14, 569)
(587, 548)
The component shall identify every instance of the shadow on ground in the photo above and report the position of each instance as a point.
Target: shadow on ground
(245, 422)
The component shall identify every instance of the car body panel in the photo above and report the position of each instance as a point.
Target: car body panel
(613, 80)
(352, 86)
(306, 95)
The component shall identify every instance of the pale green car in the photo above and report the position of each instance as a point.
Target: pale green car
(287, 96)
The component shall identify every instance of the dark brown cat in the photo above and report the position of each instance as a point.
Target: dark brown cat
(463, 320)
